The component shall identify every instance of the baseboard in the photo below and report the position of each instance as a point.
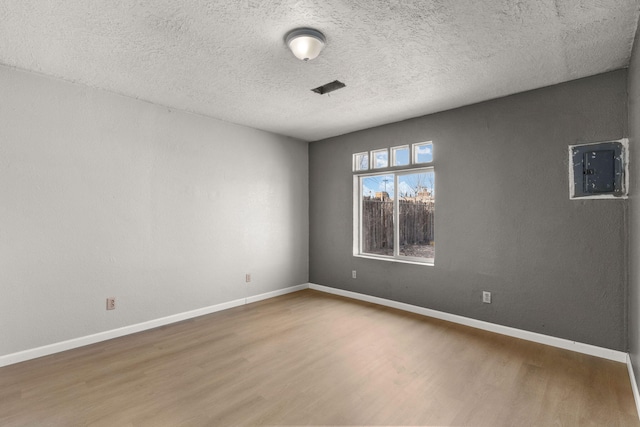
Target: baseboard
(592, 350)
(277, 293)
(634, 384)
(46, 350)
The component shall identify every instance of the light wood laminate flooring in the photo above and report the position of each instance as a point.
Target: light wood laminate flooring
(310, 358)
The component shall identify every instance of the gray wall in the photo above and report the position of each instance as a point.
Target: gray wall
(634, 209)
(504, 221)
(102, 195)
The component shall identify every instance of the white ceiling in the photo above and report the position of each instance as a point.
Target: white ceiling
(398, 58)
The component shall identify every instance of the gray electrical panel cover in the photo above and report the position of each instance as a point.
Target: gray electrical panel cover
(598, 170)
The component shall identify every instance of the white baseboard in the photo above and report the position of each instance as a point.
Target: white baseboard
(634, 384)
(277, 293)
(592, 350)
(46, 350)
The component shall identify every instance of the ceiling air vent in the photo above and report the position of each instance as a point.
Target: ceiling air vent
(329, 87)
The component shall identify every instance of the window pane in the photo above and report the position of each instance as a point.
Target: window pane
(377, 214)
(400, 156)
(361, 161)
(380, 159)
(416, 214)
(423, 153)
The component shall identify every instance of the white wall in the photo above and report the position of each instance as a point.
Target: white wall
(103, 195)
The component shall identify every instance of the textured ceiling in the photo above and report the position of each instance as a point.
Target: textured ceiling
(399, 59)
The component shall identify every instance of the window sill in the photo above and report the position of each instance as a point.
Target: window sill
(396, 260)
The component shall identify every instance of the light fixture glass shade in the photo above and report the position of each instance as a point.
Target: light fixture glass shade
(305, 43)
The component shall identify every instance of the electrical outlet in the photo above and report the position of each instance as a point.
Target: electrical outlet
(247, 278)
(353, 274)
(486, 297)
(111, 303)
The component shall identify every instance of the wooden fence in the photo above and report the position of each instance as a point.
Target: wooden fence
(415, 227)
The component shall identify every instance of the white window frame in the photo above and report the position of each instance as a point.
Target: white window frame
(356, 166)
(414, 152)
(357, 220)
(393, 155)
(372, 158)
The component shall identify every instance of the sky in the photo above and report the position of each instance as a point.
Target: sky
(408, 184)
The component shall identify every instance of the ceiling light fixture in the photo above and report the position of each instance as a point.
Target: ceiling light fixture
(305, 43)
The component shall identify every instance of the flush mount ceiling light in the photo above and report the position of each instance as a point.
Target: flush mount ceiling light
(305, 43)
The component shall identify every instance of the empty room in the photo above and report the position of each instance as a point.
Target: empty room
(224, 213)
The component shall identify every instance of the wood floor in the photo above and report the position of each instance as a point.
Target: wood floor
(310, 358)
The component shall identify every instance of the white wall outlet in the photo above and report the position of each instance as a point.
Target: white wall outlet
(486, 297)
(353, 274)
(247, 277)
(111, 303)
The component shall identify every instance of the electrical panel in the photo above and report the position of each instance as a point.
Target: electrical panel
(598, 170)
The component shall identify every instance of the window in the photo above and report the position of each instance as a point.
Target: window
(420, 153)
(423, 153)
(380, 158)
(394, 209)
(361, 161)
(400, 156)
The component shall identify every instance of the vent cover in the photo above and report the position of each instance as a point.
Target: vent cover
(329, 87)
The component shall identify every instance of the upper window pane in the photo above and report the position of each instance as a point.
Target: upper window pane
(380, 158)
(361, 161)
(423, 153)
(400, 156)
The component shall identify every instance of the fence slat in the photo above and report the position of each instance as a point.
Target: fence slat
(416, 224)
